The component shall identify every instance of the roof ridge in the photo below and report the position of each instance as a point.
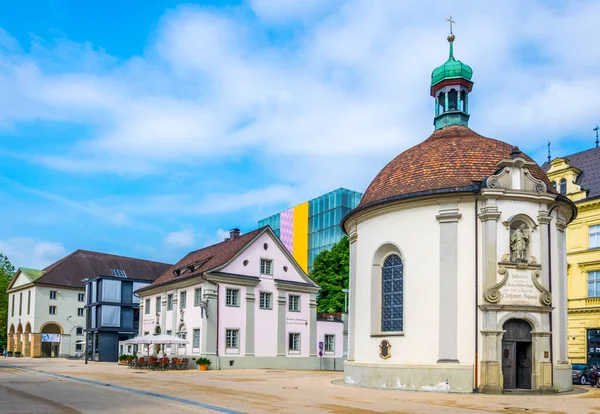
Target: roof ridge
(117, 255)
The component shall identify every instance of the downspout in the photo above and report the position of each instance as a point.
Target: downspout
(476, 379)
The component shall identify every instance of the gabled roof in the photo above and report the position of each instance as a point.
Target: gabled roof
(588, 162)
(208, 258)
(217, 256)
(70, 270)
(32, 274)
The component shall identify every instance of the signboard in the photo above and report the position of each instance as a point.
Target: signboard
(320, 345)
(519, 289)
(320, 353)
(46, 337)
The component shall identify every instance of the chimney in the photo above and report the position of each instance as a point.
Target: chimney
(234, 234)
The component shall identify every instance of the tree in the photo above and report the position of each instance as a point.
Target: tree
(7, 272)
(331, 269)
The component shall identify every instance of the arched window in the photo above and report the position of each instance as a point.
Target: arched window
(392, 294)
(452, 100)
(563, 186)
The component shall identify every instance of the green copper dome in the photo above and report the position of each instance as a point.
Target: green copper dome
(452, 69)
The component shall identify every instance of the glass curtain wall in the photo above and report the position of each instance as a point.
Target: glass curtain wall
(325, 214)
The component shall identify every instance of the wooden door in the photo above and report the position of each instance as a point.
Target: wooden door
(509, 366)
(523, 364)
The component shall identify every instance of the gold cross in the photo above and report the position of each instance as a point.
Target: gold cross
(451, 22)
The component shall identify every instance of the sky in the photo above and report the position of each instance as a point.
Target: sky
(150, 128)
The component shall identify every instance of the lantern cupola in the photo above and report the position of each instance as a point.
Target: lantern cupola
(450, 87)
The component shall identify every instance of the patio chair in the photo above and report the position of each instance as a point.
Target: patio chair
(153, 363)
(184, 363)
(142, 363)
(175, 363)
(131, 362)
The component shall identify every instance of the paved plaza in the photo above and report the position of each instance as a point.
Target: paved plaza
(67, 386)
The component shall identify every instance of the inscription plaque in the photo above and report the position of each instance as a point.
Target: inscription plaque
(519, 289)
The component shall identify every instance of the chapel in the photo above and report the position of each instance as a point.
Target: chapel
(458, 271)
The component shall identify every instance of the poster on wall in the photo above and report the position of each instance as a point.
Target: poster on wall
(46, 337)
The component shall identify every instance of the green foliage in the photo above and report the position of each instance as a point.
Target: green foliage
(125, 357)
(331, 269)
(202, 361)
(7, 272)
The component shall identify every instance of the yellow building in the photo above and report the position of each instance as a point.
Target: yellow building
(578, 177)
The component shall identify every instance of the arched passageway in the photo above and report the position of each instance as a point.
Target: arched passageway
(51, 334)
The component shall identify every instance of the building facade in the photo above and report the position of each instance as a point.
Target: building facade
(577, 176)
(113, 313)
(243, 303)
(458, 273)
(47, 315)
(313, 226)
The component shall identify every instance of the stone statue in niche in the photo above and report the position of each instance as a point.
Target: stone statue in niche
(519, 241)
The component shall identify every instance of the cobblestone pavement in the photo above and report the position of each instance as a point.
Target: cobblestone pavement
(106, 387)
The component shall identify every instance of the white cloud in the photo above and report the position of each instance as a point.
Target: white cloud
(285, 10)
(346, 95)
(30, 252)
(222, 234)
(181, 238)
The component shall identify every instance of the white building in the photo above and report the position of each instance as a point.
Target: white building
(46, 315)
(243, 303)
(458, 263)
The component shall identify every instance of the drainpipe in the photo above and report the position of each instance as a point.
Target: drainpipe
(476, 379)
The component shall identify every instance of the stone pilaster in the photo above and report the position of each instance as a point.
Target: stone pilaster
(36, 345)
(26, 345)
(560, 291)
(353, 239)
(250, 300)
(209, 333)
(545, 220)
(281, 302)
(489, 215)
(448, 282)
(313, 325)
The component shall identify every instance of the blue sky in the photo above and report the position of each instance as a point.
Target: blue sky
(149, 128)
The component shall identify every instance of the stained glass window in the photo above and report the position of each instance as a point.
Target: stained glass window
(392, 289)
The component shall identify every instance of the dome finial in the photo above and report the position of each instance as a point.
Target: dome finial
(451, 38)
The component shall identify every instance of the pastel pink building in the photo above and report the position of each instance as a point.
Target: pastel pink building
(243, 303)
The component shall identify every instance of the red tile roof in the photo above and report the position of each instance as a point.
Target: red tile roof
(208, 258)
(452, 158)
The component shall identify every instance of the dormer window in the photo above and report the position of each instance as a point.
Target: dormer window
(119, 273)
(563, 186)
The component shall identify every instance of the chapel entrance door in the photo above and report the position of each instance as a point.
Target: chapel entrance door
(516, 354)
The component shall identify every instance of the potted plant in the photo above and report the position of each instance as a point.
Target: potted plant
(202, 363)
(9, 353)
(123, 358)
(17, 354)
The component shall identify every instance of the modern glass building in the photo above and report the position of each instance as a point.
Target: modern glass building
(313, 226)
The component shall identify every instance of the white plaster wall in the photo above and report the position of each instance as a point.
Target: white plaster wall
(466, 282)
(66, 303)
(232, 317)
(298, 322)
(21, 280)
(255, 252)
(265, 334)
(22, 318)
(331, 328)
(416, 232)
